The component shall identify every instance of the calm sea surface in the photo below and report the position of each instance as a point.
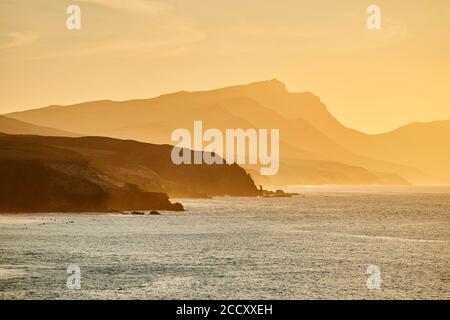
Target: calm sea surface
(315, 246)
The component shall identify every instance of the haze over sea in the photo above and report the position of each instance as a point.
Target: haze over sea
(317, 245)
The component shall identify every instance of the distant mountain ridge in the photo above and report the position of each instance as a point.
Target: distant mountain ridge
(13, 126)
(315, 147)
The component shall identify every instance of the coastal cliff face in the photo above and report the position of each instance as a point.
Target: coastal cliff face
(32, 185)
(94, 174)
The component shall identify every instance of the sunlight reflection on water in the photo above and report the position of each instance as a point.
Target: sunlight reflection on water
(316, 246)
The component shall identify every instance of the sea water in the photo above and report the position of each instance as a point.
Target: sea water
(316, 246)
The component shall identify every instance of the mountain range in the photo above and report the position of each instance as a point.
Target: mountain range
(315, 148)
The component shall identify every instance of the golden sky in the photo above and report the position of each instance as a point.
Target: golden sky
(370, 80)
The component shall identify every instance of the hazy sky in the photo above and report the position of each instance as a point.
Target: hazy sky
(370, 80)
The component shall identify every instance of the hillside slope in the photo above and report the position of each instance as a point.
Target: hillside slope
(13, 126)
(99, 174)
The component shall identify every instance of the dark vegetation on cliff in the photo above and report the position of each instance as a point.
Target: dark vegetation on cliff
(42, 174)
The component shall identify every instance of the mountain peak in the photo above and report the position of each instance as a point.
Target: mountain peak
(273, 85)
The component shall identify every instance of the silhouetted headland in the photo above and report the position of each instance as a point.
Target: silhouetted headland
(96, 174)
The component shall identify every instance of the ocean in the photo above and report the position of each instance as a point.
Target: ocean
(319, 245)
